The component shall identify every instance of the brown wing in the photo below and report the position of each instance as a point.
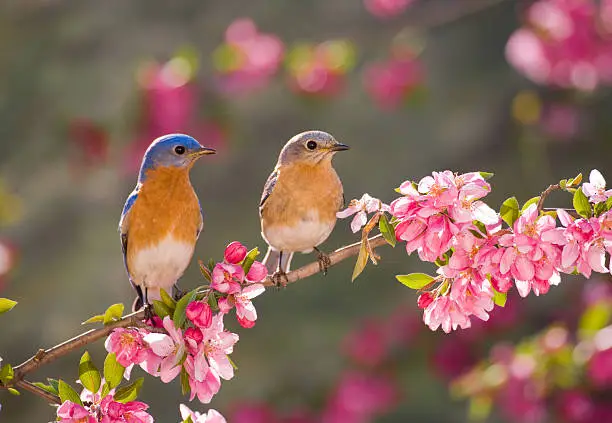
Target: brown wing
(268, 187)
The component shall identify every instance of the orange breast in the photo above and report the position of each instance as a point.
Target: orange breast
(300, 188)
(166, 205)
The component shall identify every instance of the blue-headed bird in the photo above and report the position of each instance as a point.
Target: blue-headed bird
(162, 219)
(300, 200)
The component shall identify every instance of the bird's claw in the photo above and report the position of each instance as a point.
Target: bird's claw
(279, 279)
(324, 262)
(148, 312)
(177, 293)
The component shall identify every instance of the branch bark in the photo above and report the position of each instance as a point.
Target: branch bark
(45, 356)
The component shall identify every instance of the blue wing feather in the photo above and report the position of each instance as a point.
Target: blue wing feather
(268, 188)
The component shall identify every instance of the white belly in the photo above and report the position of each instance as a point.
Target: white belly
(161, 266)
(302, 237)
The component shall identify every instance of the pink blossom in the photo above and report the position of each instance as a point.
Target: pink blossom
(235, 252)
(245, 310)
(257, 273)
(128, 345)
(199, 313)
(446, 313)
(171, 348)
(360, 208)
(583, 245)
(251, 57)
(563, 44)
(217, 343)
(253, 413)
(391, 83)
(226, 278)
(203, 381)
(130, 412)
(595, 189)
(212, 416)
(387, 8)
(70, 412)
(367, 344)
(599, 367)
(530, 260)
(360, 397)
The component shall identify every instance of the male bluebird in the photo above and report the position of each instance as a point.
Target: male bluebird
(161, 219)
(300, 200)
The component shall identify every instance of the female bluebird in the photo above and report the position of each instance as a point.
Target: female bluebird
(300, 200)
(161, 219)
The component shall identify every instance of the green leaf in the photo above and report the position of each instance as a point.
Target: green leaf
(185, 387)
(179, 316)
(187, 420)
(509, 211)
(499, 298)
(581, 204)
(13, 391)
(360, 264)
(98, 318)
(415, 280)
(442, 261)
(481, 226)
(130, 392)
(161, 309)
(54, 383)
(44, 387)
(599, 208)
(6, 305)
(105, 390)
(204, 270)
(475, 233)
(249, 259)
(89, 375)
(563, 183)
(609, 203)
(67, 393)
(167, 299)
(113, 313)
(529, 202)
(113, 371)
(6, 374)
(486, 175)
(574, 182)
(386, 229)
(212, 301)
(595, 317)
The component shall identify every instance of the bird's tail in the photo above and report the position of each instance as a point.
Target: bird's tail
(271, 260)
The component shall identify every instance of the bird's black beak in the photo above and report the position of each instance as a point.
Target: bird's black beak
(203, 151)
(339, 147)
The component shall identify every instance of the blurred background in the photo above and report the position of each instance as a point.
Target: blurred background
(518, 88)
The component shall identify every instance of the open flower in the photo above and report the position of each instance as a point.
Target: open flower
(212, 416)
(69, 412)
(226, 278)
(595, 189)
(171, 348)
(360, 208)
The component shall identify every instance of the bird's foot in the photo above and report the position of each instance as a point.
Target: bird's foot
(148, 313)
(324, 261)
(279, 279)
(177, 293)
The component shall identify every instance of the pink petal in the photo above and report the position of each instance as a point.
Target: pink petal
(169, 369)
(425, 184)
(564, 217)
(597, 258)
(349, 211)
(523, 287)
(253, 290)
(358, 221)
(485, 214)
(597, 179)
(524, 268)
(507, 260)
(569, 255)
(161, 344)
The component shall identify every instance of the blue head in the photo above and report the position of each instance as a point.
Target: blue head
(172, 150)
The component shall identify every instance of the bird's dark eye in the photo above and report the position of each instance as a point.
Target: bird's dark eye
(179, 149)
(311, 145)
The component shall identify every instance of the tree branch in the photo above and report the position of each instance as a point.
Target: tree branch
(335, 258)
(44, 356)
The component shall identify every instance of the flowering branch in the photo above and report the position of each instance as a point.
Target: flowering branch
(45, 356)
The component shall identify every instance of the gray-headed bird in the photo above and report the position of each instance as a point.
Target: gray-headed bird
(161, 220)
(300, 200)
